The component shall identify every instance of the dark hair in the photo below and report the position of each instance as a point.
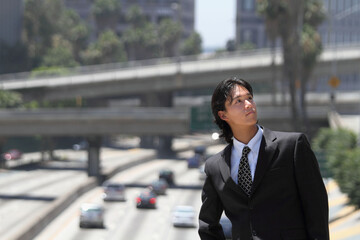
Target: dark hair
(222, 92)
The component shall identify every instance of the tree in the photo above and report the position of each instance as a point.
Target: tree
(41, 22)
(169, 33)
(57, 59)
(74, 30)
(135, 17)
(192, 45)
(9, 99)
(106, 13)
(45, 23)
(289, 20)
(60, 55)
(141, 39)
(107, 49)
(311, 47)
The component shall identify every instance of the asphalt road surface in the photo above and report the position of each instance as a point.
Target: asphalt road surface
(122, 219)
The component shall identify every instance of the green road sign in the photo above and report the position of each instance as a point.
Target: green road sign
(202, 118)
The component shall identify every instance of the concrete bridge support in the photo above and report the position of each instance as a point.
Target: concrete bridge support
(94, 144)
(164, 142)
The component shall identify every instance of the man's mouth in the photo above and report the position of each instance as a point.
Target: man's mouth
(250, 112)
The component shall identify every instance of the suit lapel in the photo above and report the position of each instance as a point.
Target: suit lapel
(224, 163)
(225, 168)
(267, 150)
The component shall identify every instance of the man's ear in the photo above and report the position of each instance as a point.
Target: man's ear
(222, 115)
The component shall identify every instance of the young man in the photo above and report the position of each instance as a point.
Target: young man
(268, 183)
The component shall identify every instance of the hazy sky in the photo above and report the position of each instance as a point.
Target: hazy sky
(215, 21)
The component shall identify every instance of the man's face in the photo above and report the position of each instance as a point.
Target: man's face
(240, 109)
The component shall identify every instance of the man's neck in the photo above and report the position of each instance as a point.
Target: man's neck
(246, 134)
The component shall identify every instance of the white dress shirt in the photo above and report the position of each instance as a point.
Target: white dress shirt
(236, 153)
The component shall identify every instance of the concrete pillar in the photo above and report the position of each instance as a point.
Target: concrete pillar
(2, 159)
(94, 144)
(162, 143)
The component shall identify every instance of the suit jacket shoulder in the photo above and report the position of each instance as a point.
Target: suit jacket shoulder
(213, 161)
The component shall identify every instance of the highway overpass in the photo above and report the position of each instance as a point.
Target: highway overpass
(132, 121)
(164, 75)
(94, 121)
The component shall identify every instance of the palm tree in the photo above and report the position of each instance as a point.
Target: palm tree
(289, 19)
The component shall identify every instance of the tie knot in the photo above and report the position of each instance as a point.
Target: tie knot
(246, 151)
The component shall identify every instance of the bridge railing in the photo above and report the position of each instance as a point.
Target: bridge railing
(91, 69)
(56, 72)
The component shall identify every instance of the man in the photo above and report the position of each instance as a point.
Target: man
(268, 183)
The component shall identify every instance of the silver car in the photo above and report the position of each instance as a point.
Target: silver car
(91, 215)
(114, 191)
(184, 216)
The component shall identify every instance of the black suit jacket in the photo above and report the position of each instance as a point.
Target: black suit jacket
(288, 199)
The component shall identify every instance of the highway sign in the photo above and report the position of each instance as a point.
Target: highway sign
(334, 82)
(202, 118)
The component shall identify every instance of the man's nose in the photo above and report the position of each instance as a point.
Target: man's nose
(248, 103)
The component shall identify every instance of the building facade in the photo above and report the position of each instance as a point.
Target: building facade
(11, 12)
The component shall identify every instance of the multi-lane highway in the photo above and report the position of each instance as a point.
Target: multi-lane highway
(28, 194)
(122, 219)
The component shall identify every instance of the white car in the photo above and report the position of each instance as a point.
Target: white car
(91, 215)
(184, 216)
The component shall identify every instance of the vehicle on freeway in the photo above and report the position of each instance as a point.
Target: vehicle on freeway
(226, 226)
(146, 199)
(113, 191)
(198, 158)
(81, 146)
(168, 175)
(159, 186)
(184, 216)
(12, 154)
(91, 215)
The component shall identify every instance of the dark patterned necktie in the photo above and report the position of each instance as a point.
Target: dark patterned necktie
(244, 175)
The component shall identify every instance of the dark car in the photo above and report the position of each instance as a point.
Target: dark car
(113, 191)
(159, 186)
(200, 150)
(198, 158)
(195, 161)
(146, 199)
(12, 154)
(168, 176)
(226, 226)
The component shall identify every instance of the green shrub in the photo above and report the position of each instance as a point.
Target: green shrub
(342, 156)
(333, 145)
(349, 180)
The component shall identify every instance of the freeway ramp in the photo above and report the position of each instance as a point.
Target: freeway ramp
(349, 121)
